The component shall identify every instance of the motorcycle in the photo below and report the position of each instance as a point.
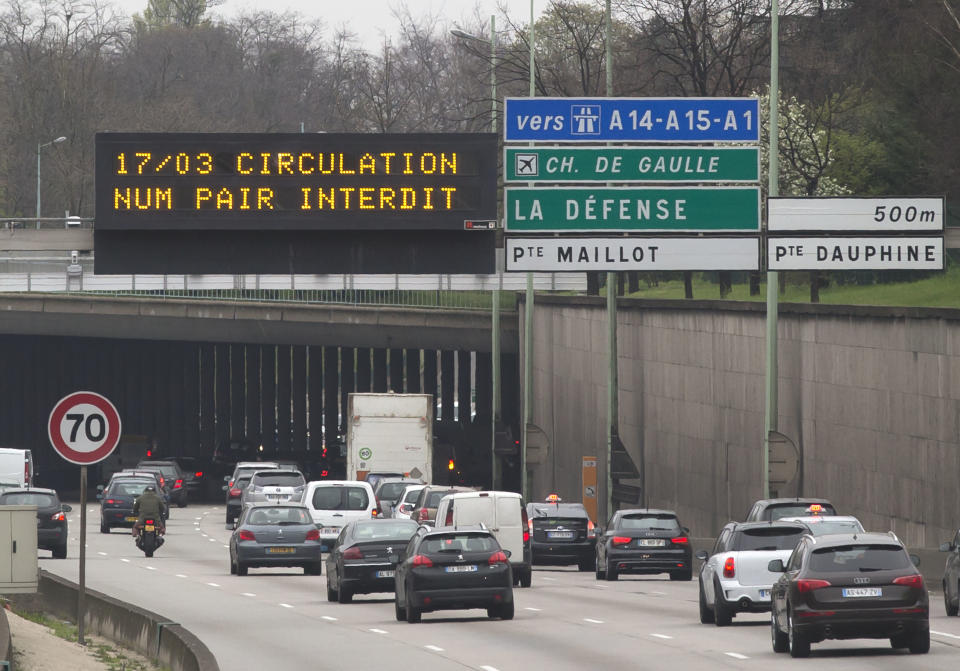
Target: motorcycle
(149, 538)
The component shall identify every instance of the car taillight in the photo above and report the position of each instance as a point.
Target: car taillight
(198, 474)
(423, 515)
(245, 535)
(26, 472)
(110, 501)
(421, 560)
(353, 553)
(591, 530)
(729, 569)
(680, 540)
(621, 540)
(374, 513)
(910, 581)
(57, 517)
(497, 558)
(230, 484)
(527, 526)
(808, 585)
(236, 492)
(178, 484)
(313, 535)
(448, 521)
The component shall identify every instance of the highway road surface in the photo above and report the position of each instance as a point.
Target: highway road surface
(568, 621)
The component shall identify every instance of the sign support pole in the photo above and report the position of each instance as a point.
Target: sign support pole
(495, 298)
(82, 592)
(528, 314)
(612, 381)
(773, 278)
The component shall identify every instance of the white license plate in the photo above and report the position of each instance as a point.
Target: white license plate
(559, 534)
(385, 574)
(330, 531)
(764, 594)
(469, 568)
(854, 592)
(651, 542)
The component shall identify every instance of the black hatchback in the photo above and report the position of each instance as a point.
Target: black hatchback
(448, 569)
(364, 558)
(849, 586)
(561, 534)
(644, 541)
(51, 518)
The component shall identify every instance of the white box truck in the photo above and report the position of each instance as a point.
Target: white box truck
(16, 468)
(390, 433)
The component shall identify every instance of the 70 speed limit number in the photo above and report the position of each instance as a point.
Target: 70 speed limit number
(84, 427)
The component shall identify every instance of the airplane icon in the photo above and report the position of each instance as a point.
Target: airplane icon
(526, 165)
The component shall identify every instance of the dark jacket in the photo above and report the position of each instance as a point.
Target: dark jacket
(148, 505)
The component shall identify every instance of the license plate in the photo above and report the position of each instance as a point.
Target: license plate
(281, 551)
(764, 593)
(559, 534)
(470, 568)
(385, 574)
(857, 592)
(330, 531)
(148, 527)
(651, 542)
(130, 519)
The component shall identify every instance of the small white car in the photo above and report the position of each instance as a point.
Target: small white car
(334, 503)
(405, 503)
(821, 525)
(734, 577)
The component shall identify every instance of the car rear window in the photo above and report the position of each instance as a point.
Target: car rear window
(399, 530)
(279, 480)
(767, 538)
(279, 515)
(340, 498)
(28, 499)
(777, 512)
(127, 488)
(460, 543)
(433, 499)
(411, 496)
(823, 528)
(649, 522)
(569, 510)
(391, 491)
(862, 558)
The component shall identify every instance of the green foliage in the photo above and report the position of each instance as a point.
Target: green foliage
(164, 13)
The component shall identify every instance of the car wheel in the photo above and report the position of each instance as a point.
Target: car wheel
(951, 608)
(780, 641)
(799, 645)
(585, 565)
(345, 595)
(241, 568)
(506, 611)
(181, 504)
(920, 643)
(104, 528)
(229, 520)
(611, 573)
(901, 641)
(706, 613)
(233, 567)
(313, 569)
(682, 575)
(526, 577)
(60, 551)
(413, 613)
(331, 593)
(399, 611)
(722, 614)
(601, 574)
(148, 553)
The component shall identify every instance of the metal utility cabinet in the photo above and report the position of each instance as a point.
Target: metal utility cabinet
(18, 549)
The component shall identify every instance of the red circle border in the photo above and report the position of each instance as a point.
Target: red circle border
(113, 427)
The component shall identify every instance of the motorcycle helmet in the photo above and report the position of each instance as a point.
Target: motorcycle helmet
(150, 488)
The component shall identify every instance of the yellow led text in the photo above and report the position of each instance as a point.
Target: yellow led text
(142, 199)
(244, 198)
(379, 198)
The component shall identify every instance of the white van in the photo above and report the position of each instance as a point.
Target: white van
(503, 513)
(16, 468)
(334, 503)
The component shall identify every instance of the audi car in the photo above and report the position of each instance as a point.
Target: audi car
(644, 541)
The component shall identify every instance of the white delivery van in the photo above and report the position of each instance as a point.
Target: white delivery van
(334, 503)
(503, 513)
(16, 468)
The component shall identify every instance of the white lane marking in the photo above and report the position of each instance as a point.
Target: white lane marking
(212, 584)
(434, 648)
(198, 518)
(212, 540)
(546, 578)
(328, 618)
(943, 633)
(285, 605)
(489, 668)
(103, 554)
(150, 568)
(736, 655)
(196, 524)
(207, 513)
(663, 636)
(247, 594)
(535, 610)
(378, 631)
(180, 575)
(592, 621)
(125, 560)
(227, 546)
(659, 593)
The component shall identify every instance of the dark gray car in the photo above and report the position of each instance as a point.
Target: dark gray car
(268, 534)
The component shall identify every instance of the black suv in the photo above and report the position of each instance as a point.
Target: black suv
(951, 576)
(644, 541)
(849, 586)
(561, 534)
(175, 482)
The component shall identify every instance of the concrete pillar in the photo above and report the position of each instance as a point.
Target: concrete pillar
(510, 391)
(484, 384)
(447, 385)
(251, 393)
(268, 398)
(145, 364)
(331, 393)
(162, 361)
(177, 416)
(430, 374)
(364, 370)
(315, 398)
(237, 395)
(413, 371)
(191, 400)
(7, 386)
(299, 398)
(208, 404)
(396, 370)
(348, 366)
(464, 367)
(380, 370)
(283, 399)
(222, 395)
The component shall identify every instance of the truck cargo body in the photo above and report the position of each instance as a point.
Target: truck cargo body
(390, 433)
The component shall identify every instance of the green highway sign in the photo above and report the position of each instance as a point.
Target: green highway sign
(561, 209)
(631, 164)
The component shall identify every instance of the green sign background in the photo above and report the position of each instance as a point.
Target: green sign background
(667, 164)
(567, 209)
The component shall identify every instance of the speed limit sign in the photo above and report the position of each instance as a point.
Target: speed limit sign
(84, 427)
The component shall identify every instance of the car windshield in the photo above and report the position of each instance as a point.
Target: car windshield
(241, 483)
(391, 491)
(127, 488)
(279, 515)
(863, 558)
(645, 522)
(28, 499)
(767, 538)
(279, 480)
(834, 527)
(777, 512)
(559, 510)
(459, 543)
(340, 498)
(394, 530)
(411, 495)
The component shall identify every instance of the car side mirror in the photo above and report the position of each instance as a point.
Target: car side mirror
(686, 530)
(66, 507)
(776, 566)
(226, 478)
(224, 488)
(946, 547)
(508, 553)
(701, 555)
(915, 559)
(99, 488)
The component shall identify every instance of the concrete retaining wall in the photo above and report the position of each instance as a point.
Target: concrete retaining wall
(135, 628)
(871, 397)
(6, 647)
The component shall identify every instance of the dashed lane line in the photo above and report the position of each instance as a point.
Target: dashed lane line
(433, 648)
(592, 621)
(102, 554)
(378, 631)
(212, 584)
(328, 618)
(180, 575)
(285, 605)
(489, 668)
(150, 568)
(943, 633)
(663, 636)
(125, 560)
(247, 594)
(736, 655)
(535, 610)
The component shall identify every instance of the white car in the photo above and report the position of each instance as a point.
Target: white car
(275, 485)
(334, 503)
(821, 525)
(734, 577)
(404, 505)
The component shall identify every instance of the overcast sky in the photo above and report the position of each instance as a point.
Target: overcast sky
(371, 18)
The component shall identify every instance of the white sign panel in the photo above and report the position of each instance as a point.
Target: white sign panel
(892, 213)
(855, 253)
(631, 253)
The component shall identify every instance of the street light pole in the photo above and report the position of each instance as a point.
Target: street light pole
(39, 147)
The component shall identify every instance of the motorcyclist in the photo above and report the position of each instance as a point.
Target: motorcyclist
(148, 505)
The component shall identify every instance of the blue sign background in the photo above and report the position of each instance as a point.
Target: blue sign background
(632, 120)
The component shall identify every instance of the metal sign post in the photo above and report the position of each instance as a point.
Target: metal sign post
(82, 594)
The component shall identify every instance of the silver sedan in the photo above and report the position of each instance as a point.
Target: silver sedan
(268, 534)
